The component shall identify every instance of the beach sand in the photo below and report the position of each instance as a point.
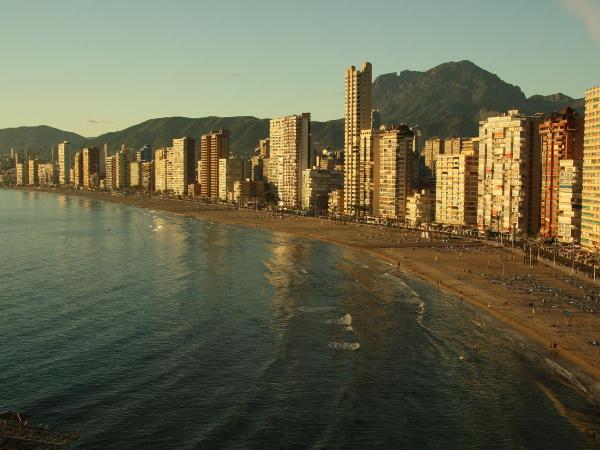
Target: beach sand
(546, 306)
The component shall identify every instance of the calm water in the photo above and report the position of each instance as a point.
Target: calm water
(142, 330)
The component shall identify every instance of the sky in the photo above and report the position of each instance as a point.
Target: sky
(92, 66)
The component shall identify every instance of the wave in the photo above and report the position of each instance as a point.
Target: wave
(314, 309)
(346, 319)
(347, 346)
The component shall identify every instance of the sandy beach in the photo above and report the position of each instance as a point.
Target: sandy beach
(554, 311)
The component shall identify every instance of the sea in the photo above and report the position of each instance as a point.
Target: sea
(141, 329)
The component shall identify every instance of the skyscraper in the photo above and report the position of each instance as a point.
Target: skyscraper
(32, 167)
(187, 147)
(561, 138)
(213, 146)
(290, 152)
(456, 180)
(358, 117)
(64, 162)
(509, 174)
(590, 214)
(569, 201)
(77, 170)
(431, 150)
(395, 171)
(91, 166)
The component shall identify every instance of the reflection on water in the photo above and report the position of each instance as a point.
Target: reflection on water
(197, 335)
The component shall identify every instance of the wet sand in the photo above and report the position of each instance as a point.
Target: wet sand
(547, 306)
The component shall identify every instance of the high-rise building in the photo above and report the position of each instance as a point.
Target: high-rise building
(394, 166)
(135, 174)
(290, 150)
(590, 214)
(419, 208)
(46, 174)
(147, 182)
(91, 167)
(509, 174)
(64, 162)
(178, 158)
(456, 184)
(77, 179)
(561, 138)
(22, 173)
(146, 154)
(32, 176)
(109, 179)
(161, 170)
(230, 171)
(213, 146)
(261, 153)
(432, 148)
(187, 147)
(102, 163)
(121, 169)
(248, 191)
(365, 189)
(358, 117)
(317, 183)
(569, 201)
(169, 170)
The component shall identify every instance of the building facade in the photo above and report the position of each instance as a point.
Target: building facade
(509, 174)
(569, 201)
(32, 176)
(358, 117)
(561, 138)
(64, 162)
(456, 184)
(419, 208)
(213, 146)
(290, 152)
(394, 166)
(590, 214)
(230, 171)
(91, 167)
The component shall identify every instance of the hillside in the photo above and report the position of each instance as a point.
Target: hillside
(450, 99)
(35, 137)
(447, 100)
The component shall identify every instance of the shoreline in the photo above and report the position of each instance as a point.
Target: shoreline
(502, 291)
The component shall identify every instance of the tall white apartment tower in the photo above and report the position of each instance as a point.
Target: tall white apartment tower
(590, 206)
(64, 162)
(290, 152)
(358, 117)
(509, 174)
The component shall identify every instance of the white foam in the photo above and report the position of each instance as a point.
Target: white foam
(348, 346)
(346, 319)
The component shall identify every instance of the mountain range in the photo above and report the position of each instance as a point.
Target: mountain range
(447, 100)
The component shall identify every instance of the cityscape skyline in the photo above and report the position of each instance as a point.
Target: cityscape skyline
(108, 80)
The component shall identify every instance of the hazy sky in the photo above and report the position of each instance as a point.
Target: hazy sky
(92, 66)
